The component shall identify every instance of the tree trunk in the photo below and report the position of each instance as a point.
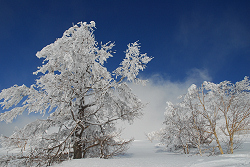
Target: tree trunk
(231, 144)
(78, 144)
(77, 150)
(184, 149)
(218, 142)
(216, 137)
(199, 145)
(187, 149)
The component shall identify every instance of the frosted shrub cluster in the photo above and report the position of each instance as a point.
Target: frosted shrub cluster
(83, 98)
(208, 118)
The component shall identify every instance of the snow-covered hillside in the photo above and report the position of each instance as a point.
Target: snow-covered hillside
(147, 154)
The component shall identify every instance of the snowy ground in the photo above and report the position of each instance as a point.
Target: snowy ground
(146, 154)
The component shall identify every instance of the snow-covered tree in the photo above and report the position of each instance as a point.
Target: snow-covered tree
(176, 133)
(83, 98)
(183, 129)
(211, 112)
(199, 101)
(232, 102)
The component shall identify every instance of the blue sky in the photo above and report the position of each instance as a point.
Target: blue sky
(190, 41)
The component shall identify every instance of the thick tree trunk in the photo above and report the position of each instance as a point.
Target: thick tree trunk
(78, 144)
(77, 150)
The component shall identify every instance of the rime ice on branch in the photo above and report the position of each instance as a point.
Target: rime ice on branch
(83, 98)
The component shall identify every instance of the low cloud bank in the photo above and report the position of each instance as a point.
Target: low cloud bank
(156, 93)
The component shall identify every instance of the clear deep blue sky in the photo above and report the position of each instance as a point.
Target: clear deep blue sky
(208, 36)
(180, 35)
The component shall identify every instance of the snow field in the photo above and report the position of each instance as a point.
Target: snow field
(147, 154)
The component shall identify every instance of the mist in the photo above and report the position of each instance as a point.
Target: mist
(155, 94)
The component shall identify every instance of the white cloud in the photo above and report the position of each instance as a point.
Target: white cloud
(156, 93)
